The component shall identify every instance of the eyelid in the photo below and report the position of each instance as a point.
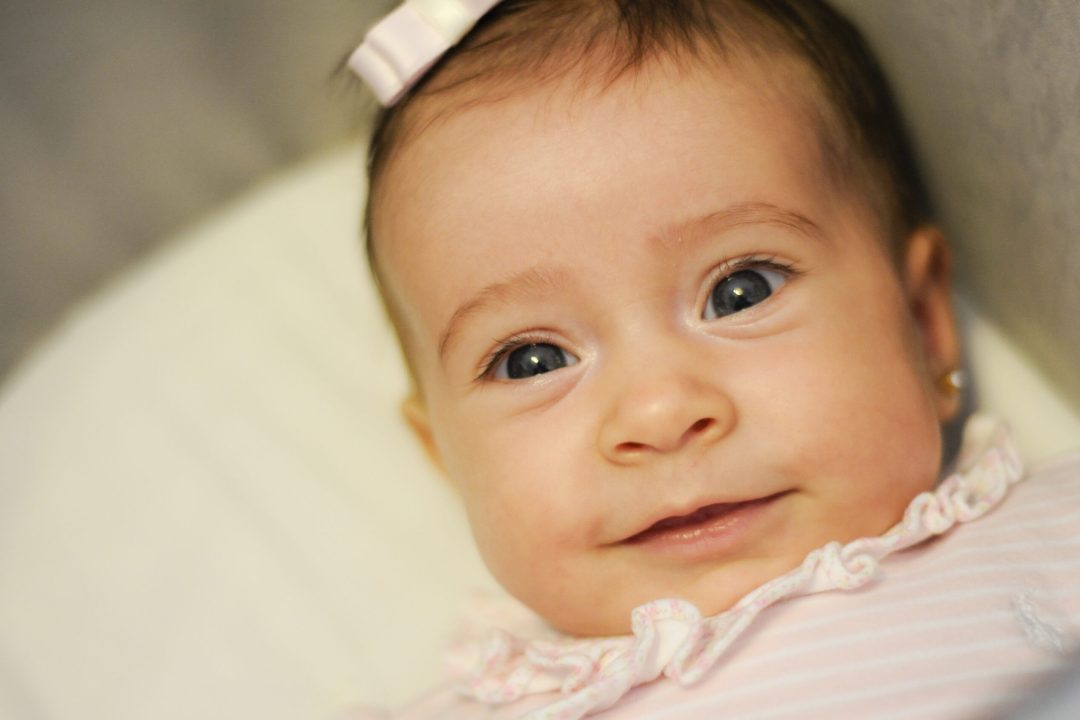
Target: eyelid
(752, 262)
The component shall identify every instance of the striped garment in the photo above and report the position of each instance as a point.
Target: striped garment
(960, 626)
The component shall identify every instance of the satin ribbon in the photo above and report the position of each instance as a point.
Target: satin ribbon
(404, 45)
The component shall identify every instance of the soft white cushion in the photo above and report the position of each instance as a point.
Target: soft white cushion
(209, 506)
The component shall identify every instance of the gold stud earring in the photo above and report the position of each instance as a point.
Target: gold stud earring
(952, 381)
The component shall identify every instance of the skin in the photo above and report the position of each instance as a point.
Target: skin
(599, 220)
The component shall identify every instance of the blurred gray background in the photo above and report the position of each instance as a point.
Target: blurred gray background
(121, 121)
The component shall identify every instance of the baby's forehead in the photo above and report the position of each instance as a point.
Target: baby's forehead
(784, 81)
(486, 124)
(634, 154)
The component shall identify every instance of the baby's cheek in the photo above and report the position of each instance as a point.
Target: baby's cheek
(504, 520)
(498, 545)
(520, 560)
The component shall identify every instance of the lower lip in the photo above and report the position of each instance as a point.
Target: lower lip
(721, 534)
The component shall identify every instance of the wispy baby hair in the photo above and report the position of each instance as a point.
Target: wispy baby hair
(522, 43)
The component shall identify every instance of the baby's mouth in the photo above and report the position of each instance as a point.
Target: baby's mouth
(708, 520)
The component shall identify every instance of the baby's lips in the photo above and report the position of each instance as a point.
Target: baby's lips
(703, 514)
(707, 512)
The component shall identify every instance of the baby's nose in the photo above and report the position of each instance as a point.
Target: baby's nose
(666, 412)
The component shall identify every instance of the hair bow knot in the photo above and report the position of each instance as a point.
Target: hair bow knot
(402, 46)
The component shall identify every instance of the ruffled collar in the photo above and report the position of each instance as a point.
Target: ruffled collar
(672, 639)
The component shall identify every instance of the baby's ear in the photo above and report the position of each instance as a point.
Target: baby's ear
(415, 413)
(927, 279)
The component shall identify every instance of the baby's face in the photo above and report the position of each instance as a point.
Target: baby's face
(661, 353)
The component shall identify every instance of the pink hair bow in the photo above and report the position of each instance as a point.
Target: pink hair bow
(402, 46)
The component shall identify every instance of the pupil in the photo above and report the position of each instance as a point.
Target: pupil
(530, 360)
(739, 291)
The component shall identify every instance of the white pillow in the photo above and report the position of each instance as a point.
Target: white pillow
(210, 508)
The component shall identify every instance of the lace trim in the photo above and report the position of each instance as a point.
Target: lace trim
(670, 636)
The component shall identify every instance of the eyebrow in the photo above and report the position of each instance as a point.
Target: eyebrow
(547, 279)
(523, 284)
(732, 216)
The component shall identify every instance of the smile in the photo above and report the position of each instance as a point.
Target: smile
(710, 530)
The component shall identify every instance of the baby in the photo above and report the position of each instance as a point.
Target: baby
(679, 329)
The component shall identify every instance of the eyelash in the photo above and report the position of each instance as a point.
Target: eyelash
(750, 262)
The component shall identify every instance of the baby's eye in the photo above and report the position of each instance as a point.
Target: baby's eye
(530, 360)
(742, 289)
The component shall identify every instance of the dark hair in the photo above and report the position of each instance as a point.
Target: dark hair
(862, 132)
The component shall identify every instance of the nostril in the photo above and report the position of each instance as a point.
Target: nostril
(630, 447)
(700, 425)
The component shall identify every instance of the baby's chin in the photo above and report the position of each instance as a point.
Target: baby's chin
(712, 592)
